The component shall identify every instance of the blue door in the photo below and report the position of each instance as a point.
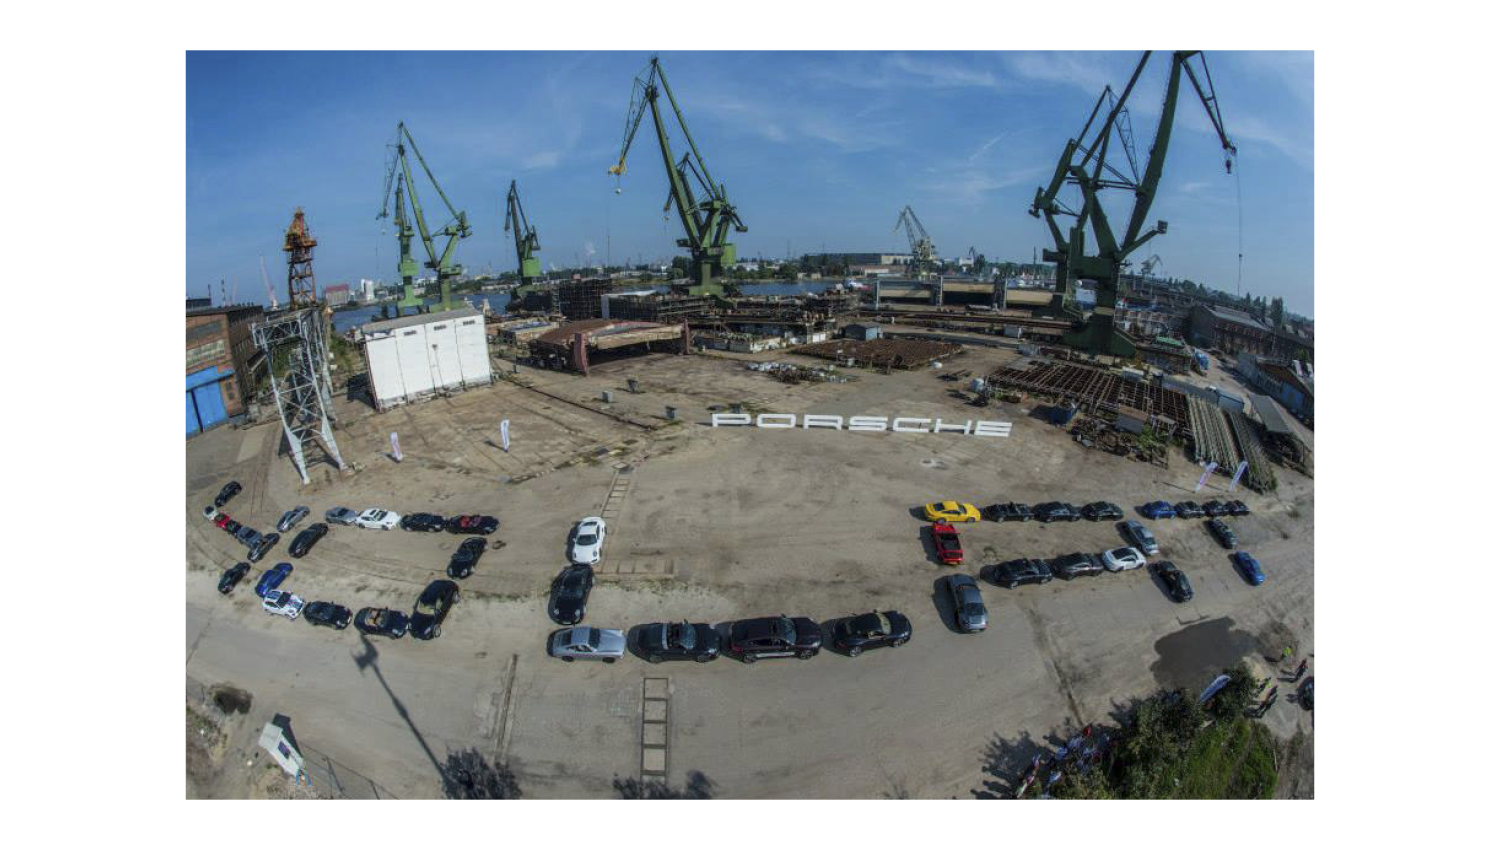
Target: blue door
(205, 398)
(193, 425)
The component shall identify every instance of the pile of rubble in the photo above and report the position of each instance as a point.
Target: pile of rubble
(791, 373)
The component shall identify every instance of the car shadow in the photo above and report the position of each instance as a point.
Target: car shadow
(919, 513)
(942, 601)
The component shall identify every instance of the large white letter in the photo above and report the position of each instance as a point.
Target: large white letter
(991, 428)
(819, 420)
(731, 419)
(787, 420)
(867, 423)
(938, 427)
(896, 425)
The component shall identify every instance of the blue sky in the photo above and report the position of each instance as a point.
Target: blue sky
(815, 149)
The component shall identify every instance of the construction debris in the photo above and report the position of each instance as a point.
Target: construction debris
(884, 353)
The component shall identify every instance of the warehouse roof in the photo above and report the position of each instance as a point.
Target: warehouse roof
(417, 319)
(594, 328)
(1269, 415)
(1235, 316)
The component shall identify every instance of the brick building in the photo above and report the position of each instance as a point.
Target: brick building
(221, 360)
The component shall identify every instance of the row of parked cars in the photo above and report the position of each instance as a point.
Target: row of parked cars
(425, 622)
(747, 640)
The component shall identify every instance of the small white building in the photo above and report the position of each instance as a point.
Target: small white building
(416, 357)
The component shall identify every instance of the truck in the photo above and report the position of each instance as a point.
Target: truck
(945, 540)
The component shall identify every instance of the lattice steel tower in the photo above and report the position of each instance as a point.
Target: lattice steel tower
(302, 391)
(301, 286)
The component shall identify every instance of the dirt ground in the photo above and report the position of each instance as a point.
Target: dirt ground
(713, 524)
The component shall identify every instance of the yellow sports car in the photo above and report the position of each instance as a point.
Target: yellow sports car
(951, 512)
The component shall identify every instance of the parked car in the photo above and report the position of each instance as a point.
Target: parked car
(282, 602)
(473, 524)
(1013, 574)
(1249, 567)
(1223, 533)
(1158, 510)
(1235, 507)
(946, 543)
(303, 542)
(210, 513)
(432, 608)
(272, 579)
(682, 641)
(463, 562)
(1123, 558)
(1305, 694)
(1188, 510)
(263, 544)
(969, 613)
(1097, 511)
(1176, 581)
(588, 541)
(247, 535)
(1069, 567)
(228, 492)
(381, 621)
(1055, 512)
(605, 645)
(775, 637)
(336, 617)
(876, 629)
(1008, 512)
(1215, 508)
(951, 512)
(341, 516)
(223, 521)
(232, 576)
(570, 594)
(377, 518)
(290, 519)
(423, 522)
(1140, 535)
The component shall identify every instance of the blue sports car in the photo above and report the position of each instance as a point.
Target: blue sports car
(1159, 510)
(1249, 567)
(272, 579)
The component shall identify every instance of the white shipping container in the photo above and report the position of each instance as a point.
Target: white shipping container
(416, 356)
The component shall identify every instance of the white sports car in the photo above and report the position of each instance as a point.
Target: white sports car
(377, 518)
(588, 541)
(1124, 558)
(281, 602)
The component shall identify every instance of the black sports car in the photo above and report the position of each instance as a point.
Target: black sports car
(1215, 508)
(871, 631)
(1097, 511)
(463, 562)
(473, 524)
(1188, 510)
(1008, 512)
(1237, 508)
(570, 594)
(303, 542)
(423, 522)
(432, 608)
(1055, 512)
(775, 637)
(679, 642)
(1021, 571)
(381, 621)
(263, 545)
(229, 492)
(1223, 533)
(1069, 567)
(232, 576)
(1177, 583)
(327, 614)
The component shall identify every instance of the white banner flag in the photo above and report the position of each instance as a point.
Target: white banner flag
(505, 434)
(1207, 471)
(395, 447)
(1239, 471)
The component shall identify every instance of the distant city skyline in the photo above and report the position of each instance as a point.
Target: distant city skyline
(819, 151)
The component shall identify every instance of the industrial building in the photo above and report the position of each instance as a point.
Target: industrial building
(569, 346)
(423, 355)
(221, 361)
(336, 295)
(1233, 331)
(1289, 383)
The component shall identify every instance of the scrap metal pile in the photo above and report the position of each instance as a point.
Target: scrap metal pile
(1093, 433)
(882, 353)
(790, 373)
(1098, 392)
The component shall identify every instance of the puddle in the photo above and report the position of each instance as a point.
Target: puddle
(1191, 657)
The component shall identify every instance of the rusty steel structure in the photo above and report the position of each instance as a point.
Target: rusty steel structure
(1098, 392)
(301, 286)
(882, 353)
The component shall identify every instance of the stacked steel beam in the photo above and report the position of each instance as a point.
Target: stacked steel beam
(1211, 438)
(1258, 475)
(1098, 391)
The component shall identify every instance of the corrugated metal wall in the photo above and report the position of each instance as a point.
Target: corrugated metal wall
(205, 398)
(414, 362)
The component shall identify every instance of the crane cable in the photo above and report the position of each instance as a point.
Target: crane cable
(1239, 203)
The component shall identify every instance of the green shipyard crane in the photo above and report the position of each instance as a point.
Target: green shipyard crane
(527, 244)
(398, 175)
(705, 221)
(1086, 167)
(923, 255)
